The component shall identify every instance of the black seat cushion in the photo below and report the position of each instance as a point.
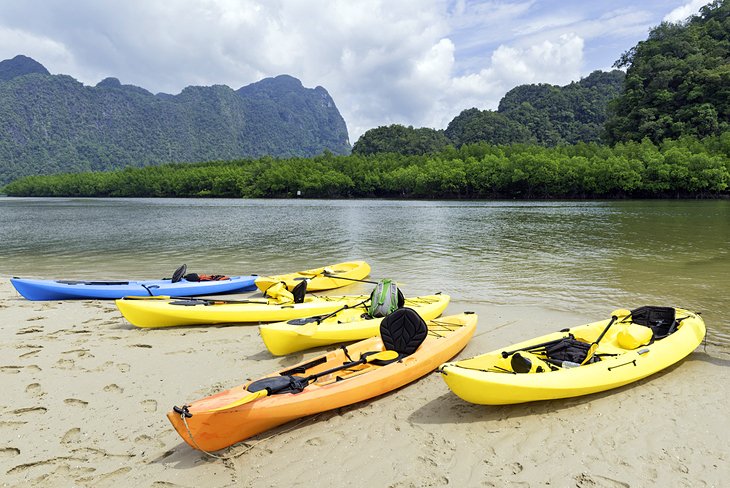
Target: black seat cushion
(403, 331)
(660, 319)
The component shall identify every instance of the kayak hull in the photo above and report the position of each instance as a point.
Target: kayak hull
(169, 312)
(33, 289)
(479, 380)
(316, 280)
(352, 324)
(213, 430)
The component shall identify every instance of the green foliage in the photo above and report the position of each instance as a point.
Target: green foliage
(544, 114)
(19, 66)
(399, 139)
(52, 123)
(686, 167)
(569, 114)
(474, 125)
(678, 81)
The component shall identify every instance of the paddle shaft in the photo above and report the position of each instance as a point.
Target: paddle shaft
(610, 323)
(506, 354)
(213, 300)
(319, 320)
(328, 275)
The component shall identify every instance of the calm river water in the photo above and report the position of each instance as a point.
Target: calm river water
(589, 257)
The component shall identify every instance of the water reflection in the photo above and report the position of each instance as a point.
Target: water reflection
(585, 256)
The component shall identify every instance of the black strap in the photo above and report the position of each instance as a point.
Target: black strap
(347, 355)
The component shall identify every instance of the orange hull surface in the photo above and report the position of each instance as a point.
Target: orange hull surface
(213, 430)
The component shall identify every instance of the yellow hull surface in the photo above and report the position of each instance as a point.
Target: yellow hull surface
(348, 325)
(226, 418)
(316, 278)
(489, 379)
(167, 311)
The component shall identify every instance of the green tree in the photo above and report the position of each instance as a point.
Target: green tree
(677, 81)
(474, 125)
(401, 140)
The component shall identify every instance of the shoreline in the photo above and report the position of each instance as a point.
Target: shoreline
(86, 396)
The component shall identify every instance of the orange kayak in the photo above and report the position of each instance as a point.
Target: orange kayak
(221, 420)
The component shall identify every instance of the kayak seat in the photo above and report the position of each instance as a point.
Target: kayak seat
(661, 320)
(299, 292)
(402, 331)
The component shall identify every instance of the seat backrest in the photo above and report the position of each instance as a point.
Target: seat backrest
(660, 319)
(403, 331)
(299, 291)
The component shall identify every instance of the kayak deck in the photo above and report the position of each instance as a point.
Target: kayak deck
(168, 312)
(212, 425)
(351, 324)
(319, 279)
(490, 379)
(33, 289)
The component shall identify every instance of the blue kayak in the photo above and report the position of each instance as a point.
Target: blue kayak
(79, 289)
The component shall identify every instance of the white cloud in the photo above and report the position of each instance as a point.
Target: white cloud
(680, 14)
(414, 62)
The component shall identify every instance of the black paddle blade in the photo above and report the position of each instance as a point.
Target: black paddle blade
(278, 384)
(304, 321)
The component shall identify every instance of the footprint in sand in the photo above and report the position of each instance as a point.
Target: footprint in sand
(113, 388)
(11, 369)
(103, 367)
(586, 480)
(65, 364)
(73, 435)
(17, 369)
(75, 402)
(6, 452)
(148, 441)
(29, 354)
(34, 389)
(123, 367)
(163, 484)
(79, 353)
(29, 330)
(149, 405)
(26, 410)
(104, 479)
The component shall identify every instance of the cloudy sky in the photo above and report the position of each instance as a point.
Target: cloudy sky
(412, 62)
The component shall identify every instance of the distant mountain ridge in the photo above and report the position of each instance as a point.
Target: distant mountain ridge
(54, 124)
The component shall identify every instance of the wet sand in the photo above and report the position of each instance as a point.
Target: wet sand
(85, 397)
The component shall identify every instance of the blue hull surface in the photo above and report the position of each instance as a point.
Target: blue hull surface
(71, 290)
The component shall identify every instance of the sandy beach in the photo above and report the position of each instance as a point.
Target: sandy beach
(85, 397)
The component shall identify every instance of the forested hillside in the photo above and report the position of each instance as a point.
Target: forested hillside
(667, 125)
(677, 81)
(564, 115)
(53, 123)
(542, 114)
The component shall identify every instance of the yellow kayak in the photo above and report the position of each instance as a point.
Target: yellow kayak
(331, 380)
(166, 311)
(318, 279)
(350, 324)
(564, 364)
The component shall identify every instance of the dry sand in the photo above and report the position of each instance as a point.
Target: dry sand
(84, 396)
